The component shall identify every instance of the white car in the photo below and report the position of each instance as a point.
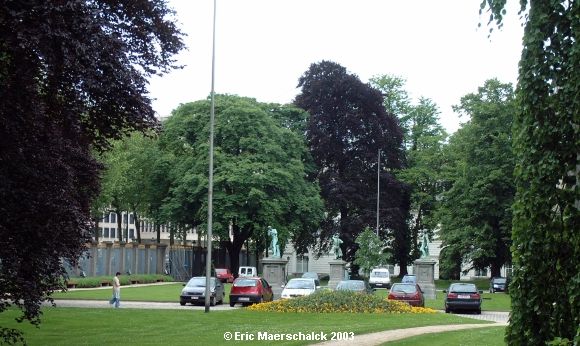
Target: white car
(380, 278)
(299, 287)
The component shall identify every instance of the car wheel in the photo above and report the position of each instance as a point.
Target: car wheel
(182, 303)
(478, 311)
(232, 304)
(447, 310)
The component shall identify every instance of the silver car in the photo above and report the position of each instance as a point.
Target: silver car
(194, 291)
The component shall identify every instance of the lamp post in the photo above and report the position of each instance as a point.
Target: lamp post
(210, 180)
(378, 187)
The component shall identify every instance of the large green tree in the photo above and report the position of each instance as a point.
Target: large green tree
(259, 177)
(72, 76)
(347, 127)
(476, 210)
(546, 241)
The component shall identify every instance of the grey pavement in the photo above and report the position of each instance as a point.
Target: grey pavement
(493, 316)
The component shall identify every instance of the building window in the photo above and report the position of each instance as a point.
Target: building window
(106, 232)
(301, 263)
(131, 234)
(124, 218)
(113, 217)
(508, 270)
(106, 218)
(113, 232)
(131, 219)
(481, 272)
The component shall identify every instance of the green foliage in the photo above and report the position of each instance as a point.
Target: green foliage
(546, 241)
(98, 281)
(260, 177)
(370, 251)
(475, 212)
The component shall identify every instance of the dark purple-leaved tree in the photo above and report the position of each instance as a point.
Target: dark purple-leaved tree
(72, 76)
(347, 127)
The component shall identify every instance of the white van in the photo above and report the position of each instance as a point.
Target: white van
(247, 271)
(380, 278)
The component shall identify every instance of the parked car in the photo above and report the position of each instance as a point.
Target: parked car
(299, 287)
(409, 279)
(247, 271)
(246, 290)
(359, 286)
(194, 291)
(498, 284)
(380, 278)
(408, 293)
(312, 275)
(224, 275)
(462, 296)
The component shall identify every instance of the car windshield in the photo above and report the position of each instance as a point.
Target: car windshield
(198, 282)
(404, 288)
(245, 283)
(221, 271)
(499, 281)
(351, 285)
(380, 274)
(301, 284)
(463, 288)
(409, 278)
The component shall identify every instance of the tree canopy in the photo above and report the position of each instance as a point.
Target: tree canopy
(475, 214)
(347, 127)
(72, 76)
(259, 179)
(546, 138)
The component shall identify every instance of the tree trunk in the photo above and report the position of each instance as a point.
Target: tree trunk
(158, 231)
(137, 226)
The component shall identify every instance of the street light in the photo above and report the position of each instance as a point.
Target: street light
(210, 180)
(378, 188)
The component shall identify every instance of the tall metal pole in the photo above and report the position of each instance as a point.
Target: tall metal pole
(378, 187)
(210, 180)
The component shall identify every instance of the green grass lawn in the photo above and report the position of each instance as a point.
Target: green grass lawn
(80, 326)
(491, 301)
(491, 336)
(154, 293)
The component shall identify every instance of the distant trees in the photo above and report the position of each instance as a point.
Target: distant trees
(347, 127)
(72, 76)
(475, 214)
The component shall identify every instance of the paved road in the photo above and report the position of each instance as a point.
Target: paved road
(494, 316)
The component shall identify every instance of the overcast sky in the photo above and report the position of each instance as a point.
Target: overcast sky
(264, 46)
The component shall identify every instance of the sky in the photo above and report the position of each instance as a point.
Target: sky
(264, 46)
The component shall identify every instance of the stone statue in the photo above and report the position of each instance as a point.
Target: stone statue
(336, 241)
(424, 246)
(274, 247)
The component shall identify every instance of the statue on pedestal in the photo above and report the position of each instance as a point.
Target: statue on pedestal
(336, 242)
(424, 246)
(274, 247)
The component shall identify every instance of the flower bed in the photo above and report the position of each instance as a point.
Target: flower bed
(339, 301)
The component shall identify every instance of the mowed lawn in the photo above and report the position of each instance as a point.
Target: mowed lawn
(82, 326)
(152, 293)
(490, 302)
(490, 336)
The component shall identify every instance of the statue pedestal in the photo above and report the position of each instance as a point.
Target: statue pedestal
(424, 268)
(336, 272)
(274, 271)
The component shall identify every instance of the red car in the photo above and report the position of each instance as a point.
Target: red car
(246, 290)
(224, 275)
(408, 293)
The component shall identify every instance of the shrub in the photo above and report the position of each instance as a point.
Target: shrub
(326, 301)
(97, 281)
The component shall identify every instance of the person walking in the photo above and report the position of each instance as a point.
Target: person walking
(116, 291)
